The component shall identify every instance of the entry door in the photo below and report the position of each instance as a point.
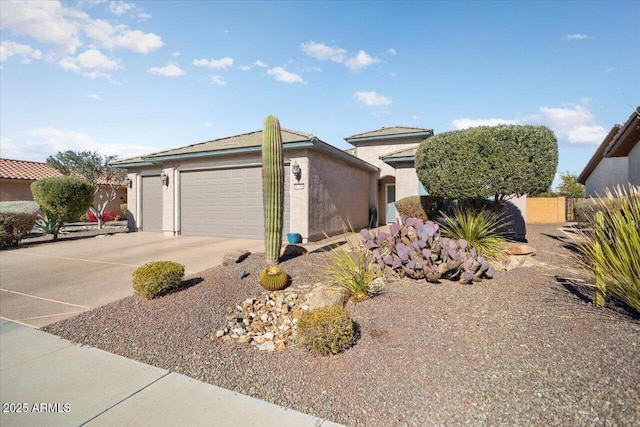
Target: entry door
(391, 203)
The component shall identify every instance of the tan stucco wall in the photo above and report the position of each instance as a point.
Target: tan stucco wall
(610, 172)
(14, 190)
(339, 196)
(370, 151)
(406, 181)
(634, 165)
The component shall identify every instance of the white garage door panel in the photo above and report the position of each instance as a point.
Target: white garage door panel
(226, 202)
(151, 203)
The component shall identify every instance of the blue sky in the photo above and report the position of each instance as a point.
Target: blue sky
(130, 78)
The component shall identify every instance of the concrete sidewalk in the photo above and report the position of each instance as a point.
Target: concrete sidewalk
(54, 382)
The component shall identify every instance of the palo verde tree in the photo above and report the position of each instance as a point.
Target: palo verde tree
(482, 162)
(569, 186)
(95, 168)
(62, 198)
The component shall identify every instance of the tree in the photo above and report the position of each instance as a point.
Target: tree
(62, 198)
(95, 168)
(570, 187)
(482, 162)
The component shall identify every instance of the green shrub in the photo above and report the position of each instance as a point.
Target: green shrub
(423, 207)
(123, 209)
(156, 278)
(16, 221)
(584, 211)
(610, 248)
(63, 198)
(326, 330)
(479, 229)
(352, 269)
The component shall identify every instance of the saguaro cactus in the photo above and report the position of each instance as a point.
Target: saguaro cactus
(272, 187)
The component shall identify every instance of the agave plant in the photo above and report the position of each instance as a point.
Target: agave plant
(478, 229)
(611, 248)
(46, 225)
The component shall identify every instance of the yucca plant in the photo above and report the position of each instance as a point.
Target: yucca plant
(479, 229)
(351, 268)
(611, 249)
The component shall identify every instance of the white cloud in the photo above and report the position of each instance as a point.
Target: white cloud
(94, 96)
(609, 70)
(169, 70)
(208, 125)
(323, 52)
(573, 124)
(471, 123)
(283, 75)
(91, 63)
(259, 63)
(42, 142)
(392, 52)
(110, 37)
(45, 21)
(371, 99)
(245, 67)
(336, 54)
(360, 61)
(570, 37)
(175, 54)
(9, 48)
(120, 8)
(214, 63)
(217, 80)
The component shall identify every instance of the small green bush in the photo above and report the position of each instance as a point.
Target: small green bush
(16, 221)
(123, 209)
(424, 207)
(326, 330)
(156, 278)
(585, 210)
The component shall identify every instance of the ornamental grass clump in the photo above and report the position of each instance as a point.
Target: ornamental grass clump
(353, 269)
(326, 330)
(478, 229)
(156, 278)
(610, 248)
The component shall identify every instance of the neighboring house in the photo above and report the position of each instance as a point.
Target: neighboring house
(16, 177)
(617, 159)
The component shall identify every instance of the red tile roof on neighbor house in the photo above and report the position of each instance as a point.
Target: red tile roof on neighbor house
(26, 170)
(30, 171)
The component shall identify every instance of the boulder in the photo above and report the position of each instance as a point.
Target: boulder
(515, 261)
(234, 257)
(292, 251)
(521, 250)
(324, 294)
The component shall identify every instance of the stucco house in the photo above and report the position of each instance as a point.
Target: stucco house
(214, 188)
(617, 159)
(16, 177)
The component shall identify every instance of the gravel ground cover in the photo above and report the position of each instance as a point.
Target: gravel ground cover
(526, 348)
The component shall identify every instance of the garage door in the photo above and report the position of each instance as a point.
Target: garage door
(225, 202)
(151, 203)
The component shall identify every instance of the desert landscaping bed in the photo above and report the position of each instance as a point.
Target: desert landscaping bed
(526, 348)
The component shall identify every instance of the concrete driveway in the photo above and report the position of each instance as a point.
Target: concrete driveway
(45, 283)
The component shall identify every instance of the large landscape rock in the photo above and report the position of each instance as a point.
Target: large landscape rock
(323, 294)
(234, 257)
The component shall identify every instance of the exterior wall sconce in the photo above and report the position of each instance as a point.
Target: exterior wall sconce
(164, 178)
(297, 172)
(128, 182)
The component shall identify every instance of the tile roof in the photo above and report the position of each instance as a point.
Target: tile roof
(26, 170)
(388, 131)
(245, 140)
(408, 152)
